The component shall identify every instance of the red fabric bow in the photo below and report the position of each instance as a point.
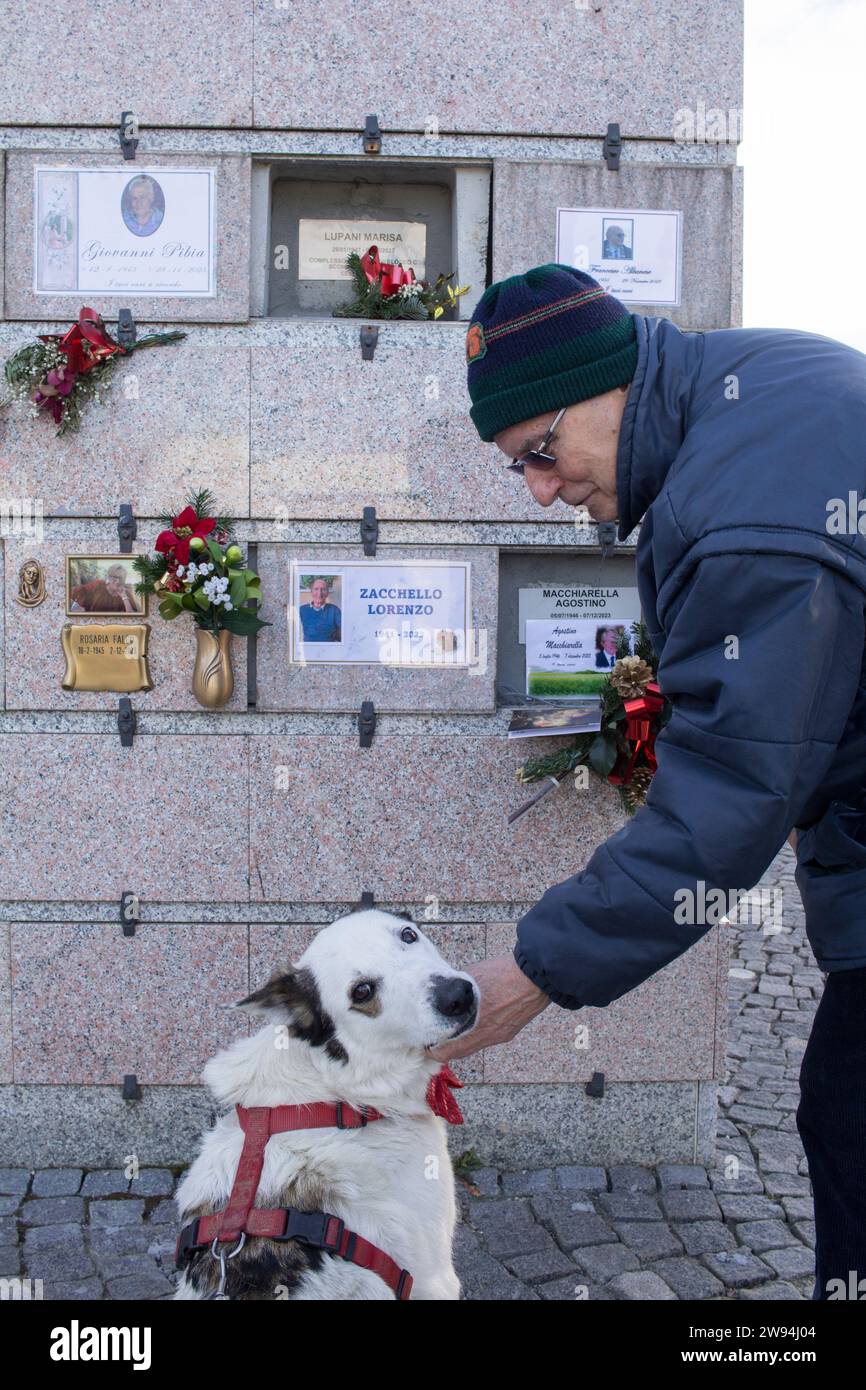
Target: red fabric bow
(639, 715)
(185, 525)
(86, 342)
(391, 275)
(439, 1096)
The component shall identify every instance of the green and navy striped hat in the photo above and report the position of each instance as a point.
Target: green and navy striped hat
(542, 340)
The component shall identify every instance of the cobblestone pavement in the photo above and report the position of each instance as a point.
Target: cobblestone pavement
(741, 1228)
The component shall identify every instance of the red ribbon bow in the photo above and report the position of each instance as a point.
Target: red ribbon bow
(391, 275)
(86, 342)
(439, 1096)
(639, 715)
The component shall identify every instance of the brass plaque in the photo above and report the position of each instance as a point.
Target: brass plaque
(106, 656)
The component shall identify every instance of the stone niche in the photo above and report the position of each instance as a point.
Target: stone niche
(545, 579)
(285, 685)
(307, 214)
(709, 198)
(53, 230)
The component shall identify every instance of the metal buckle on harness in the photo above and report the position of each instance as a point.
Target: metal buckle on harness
(311, 1228)
(339, 1119)
(186, 1243)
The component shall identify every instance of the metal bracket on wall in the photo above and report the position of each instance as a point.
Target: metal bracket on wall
(131, 1088)
(612, 147)
(606, 532)
(128, 134)
(369, 530)
(367, 724)
(595, 1087)
(127, 529)
(130, 912)
(369, 338)
(126, 330)
(372, 136)
(253, 639)
(126, 721)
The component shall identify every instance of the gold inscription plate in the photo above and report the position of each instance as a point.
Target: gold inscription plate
(106, 656)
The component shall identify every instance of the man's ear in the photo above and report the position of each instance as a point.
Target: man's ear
(293, 998)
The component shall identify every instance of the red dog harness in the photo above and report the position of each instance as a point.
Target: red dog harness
(314, 1228)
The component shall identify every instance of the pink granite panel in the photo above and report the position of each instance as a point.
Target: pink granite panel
(85, 819)
(662, 1031)
(410, 817)
(173, 65)
(5, 1007)
(90, 1005)
(331, 434)
(566, 69)
(176, 418)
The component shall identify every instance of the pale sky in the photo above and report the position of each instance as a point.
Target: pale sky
(805, 176)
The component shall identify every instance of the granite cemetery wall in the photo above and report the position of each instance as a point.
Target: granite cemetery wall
(242, 830)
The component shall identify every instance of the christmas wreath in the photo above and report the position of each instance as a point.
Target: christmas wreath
(633, 710)
(385, 290)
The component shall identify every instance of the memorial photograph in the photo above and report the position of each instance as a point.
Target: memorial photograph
(102, 585)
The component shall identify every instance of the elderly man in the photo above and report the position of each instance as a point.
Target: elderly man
(741, 453)
(321, 620)
(614, 248)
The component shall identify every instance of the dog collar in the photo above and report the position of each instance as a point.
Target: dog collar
(320, 1229)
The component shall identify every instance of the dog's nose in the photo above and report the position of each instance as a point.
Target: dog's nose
(453, 996)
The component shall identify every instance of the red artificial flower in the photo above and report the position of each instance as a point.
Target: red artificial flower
(185, 525)
(86, 343)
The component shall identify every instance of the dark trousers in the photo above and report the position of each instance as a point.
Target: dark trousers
(831, 1119)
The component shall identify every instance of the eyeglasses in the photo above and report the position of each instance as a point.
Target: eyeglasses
(539, 458)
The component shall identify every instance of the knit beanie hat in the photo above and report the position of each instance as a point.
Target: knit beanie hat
(543, 340)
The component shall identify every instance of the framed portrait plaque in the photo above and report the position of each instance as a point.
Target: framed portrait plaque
(380, 612)
(131, 230)
(634, 253)
(103, 586)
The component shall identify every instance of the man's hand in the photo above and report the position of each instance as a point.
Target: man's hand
(509, 1000)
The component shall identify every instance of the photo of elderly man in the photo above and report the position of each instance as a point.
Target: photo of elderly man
(321, 620)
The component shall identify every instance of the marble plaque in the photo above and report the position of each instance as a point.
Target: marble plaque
(60, 244)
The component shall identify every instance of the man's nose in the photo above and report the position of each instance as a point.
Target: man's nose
(542, 483)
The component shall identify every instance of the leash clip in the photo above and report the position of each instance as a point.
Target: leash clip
(220, 1290)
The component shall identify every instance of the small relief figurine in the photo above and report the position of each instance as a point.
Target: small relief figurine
(31, 584)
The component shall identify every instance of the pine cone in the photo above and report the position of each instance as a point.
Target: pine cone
(637, 787)
(629, 676)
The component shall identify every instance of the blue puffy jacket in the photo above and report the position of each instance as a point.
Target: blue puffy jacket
(743, 451)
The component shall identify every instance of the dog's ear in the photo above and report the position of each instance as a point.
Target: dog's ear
(294, 998)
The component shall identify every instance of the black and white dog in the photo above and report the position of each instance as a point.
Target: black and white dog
(347, 1025)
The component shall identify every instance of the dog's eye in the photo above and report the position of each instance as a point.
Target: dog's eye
(408, 935)
(363, 991)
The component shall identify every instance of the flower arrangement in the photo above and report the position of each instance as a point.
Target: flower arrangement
(633, 710)
(61, 373)
(385, 290)
(199, 568)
